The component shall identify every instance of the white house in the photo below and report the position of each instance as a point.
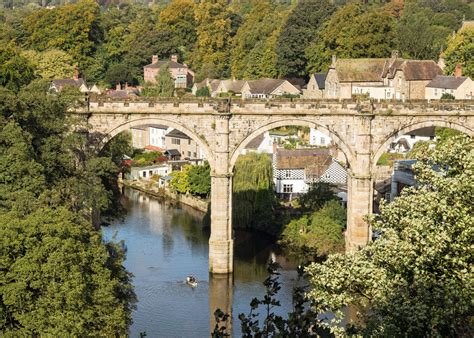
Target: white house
(157, 135)
(268, 88)
(462, 88)
(404, 143)
(294, 170)
(317, 138)
(148, 171)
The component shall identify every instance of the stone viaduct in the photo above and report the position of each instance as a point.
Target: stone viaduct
(362, 131)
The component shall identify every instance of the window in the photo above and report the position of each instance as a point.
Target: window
(175, 141)
(412, 136)
(189, 141)
(436, 91)
(144, 173)
(323, 141)
(189, 154)
(194, 155)
(287, 188)
(287, 173)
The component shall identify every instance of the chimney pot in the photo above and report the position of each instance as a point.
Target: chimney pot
(458, 70)
(154, 59)
(174, 58)
(334, 59)
(118, 86)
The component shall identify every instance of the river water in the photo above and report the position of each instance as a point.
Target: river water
(166, 243)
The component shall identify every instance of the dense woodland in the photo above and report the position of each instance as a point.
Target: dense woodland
(110, 42)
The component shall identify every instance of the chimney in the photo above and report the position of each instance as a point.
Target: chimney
(395, 54)
(334, 59)
(118, 86)
(441, 63)
(154, 59)
(275, 147)
(174, 58)
(458, 70)
(76, 74)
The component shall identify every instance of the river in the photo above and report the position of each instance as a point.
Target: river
(166, 243)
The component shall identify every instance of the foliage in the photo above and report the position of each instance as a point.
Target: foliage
(253, 194)
(51, 64)
(180, 180)
(118, 146)
(164, 86)
(317, 195)
(447, 96)
(389, 158)
(145, 158)
(58, 277)
(199, 177)
(203, 92)
(298, 31)
(211, 55)
(320, 233)
(444, 134)
(416, 279)
(15, 70)
(460, 50)
(119, 74)
(302, 321)
(352, 32)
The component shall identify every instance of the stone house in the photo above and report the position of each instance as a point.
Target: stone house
(407, 79)
(59, 84)
(182, 143)
(344, 75)
(231, 86)
(180, 72)
(211, 84)
(294, 170)
(462, 88)
(267, 88)
(315, 87)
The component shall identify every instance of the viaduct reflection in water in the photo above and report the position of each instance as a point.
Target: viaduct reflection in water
(166, 243)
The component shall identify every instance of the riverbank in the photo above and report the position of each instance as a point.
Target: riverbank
(149, 188)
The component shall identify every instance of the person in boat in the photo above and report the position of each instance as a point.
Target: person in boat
(191, 280)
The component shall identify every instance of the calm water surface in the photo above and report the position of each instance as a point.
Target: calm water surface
(166, 243)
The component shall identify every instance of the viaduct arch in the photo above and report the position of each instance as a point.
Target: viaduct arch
(222, 128)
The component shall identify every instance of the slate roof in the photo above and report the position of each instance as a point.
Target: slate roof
(171, 64)
(256, 142)
(314, 161)
(176, 133)
(172, 152)
(320, 80)
(360, 70)
(264, 86)
(414, 70)
(446, 82)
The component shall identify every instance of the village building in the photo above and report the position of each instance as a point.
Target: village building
(315, 87)
(405, 143)
(294, 170)
(229, 86)
(317, 138)
(183, 76)
(268, 88)
(211, 84)
(461, 88)
(148, 172)
(77, 82)
(178, 142)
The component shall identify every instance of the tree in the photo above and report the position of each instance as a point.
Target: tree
(51, 64)
(120, 74)
(164, 86)
(211, 55)
(416, 278)
(15, 70)
(252, 193)
(58, 277)
(180, 180)
(460, 50)
(352, 32)
(297, 33)
(199, 178)
(317, 195)
(203, 92)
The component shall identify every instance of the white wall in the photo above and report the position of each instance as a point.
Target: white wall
(157, 137)
(317, 138)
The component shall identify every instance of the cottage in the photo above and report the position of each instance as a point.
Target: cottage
(296, 169)
(230, 86)
(405, 143)
(344, 75)
(407, 79)
(268, 88)
(317, 138)
(180, 72)
(148, 171)
(187, 147)
(261, 144)
(315, 87)
(461, 88)
(211, 84)
(59, 84)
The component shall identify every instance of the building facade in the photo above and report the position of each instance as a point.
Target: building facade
(183, 76)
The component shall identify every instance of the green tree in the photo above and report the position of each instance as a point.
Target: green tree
(298, 32)
(253, 195)
(51, 64)
(203, 92)
(164, 86)
(460, 50)
(199, 178)
(58, 277)
(352, 32)
(180, 180)
(120, 73)
(416, 279)
(317, 195)
(212, 54)
(15, 70)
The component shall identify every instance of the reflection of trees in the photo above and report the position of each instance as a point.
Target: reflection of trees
(191, 227)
